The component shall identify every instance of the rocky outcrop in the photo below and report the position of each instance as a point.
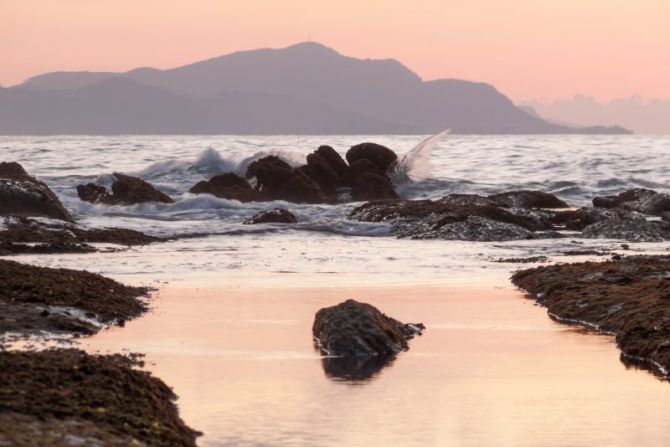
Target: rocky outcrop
(335, 162)
(66, 397)
(226, 186)
(457, 217)
(354, 329)
(27, 235)
(640, 200)
(627, 298)
(24, 196)
(126, 190)
(277, 215)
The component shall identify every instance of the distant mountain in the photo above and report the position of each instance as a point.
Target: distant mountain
(645, 117)
(303, 89)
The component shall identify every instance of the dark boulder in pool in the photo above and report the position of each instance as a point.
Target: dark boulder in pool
(226, 186)
(354, 329)
(277, 215)
(381, 156)
(126, 190)
(24, 196)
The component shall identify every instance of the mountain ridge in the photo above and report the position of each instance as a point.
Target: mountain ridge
(303, 88)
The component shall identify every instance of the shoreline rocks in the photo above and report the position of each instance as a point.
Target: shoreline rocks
(40, 300)
(67, 397)
(24, 196)
(628, 298)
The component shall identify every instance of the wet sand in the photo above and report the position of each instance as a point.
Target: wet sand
(491, 369)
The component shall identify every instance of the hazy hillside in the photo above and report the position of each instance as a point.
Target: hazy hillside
(646, 117)
(306, 88)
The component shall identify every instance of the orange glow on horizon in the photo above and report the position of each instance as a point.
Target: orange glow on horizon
(526, 48)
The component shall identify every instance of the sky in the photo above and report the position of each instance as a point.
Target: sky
(528, 49)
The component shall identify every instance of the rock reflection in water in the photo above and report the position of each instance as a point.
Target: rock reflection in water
(355, 368)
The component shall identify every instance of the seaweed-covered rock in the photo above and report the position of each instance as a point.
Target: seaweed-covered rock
(459, 218)
(66, 397)
(628, 297)
(126, 190)
(380, 155)
(277, 215)
(226, 186)
(24, 196)
(352, 329)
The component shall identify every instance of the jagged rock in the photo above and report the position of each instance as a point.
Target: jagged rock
(354, 329)
(126, 190)
(23, 196)
(373, 186)
(336, 163)
(226, 186)
(641, 200)
(277, 215)
(380, 155)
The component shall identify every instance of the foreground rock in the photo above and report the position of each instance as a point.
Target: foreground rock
(67, 397)
(354, 329)
(277, 215)
(35, 300)
(26, 235)
(126, 190)
(24, 196)
(628, 298)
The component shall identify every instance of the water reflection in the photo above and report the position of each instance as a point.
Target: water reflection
(355, 368)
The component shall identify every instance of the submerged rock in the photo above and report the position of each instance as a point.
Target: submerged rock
(277, 215)
(628, 298)
(354, 329)
(24, 196)
(126, 190)
(226, 186)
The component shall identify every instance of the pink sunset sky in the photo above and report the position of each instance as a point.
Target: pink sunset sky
(527, 48)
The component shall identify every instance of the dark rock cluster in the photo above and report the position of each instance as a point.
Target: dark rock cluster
(325, 178)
